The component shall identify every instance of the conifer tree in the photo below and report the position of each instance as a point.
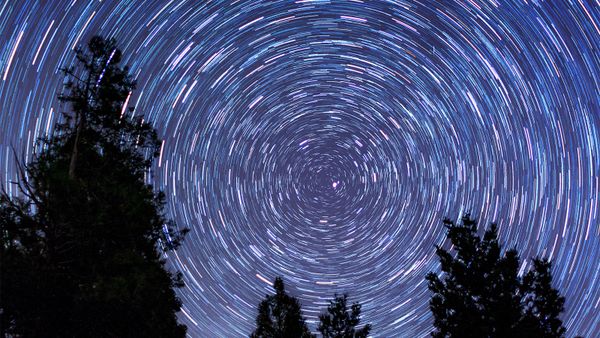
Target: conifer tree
(339, 323)
(542, 303)
(480, 293)
(82, 246)
(280, 316)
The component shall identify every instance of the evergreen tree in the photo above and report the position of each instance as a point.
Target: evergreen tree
(82, 245)
(280, 316)
(339, 323)
(482, 295)
(542, 303)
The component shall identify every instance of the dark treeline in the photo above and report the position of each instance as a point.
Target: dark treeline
(478, 294)
(280, 315)
(81, 244)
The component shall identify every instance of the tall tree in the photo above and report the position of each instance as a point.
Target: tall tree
(82, 246)
(339, 323)
(280, 316)
(481, 293)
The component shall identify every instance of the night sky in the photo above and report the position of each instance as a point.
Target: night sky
(324, 141)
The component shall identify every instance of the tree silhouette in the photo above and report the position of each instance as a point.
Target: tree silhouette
(280, 316)
(82, 245)
(339, 323)
(481, 293)
(542, 303)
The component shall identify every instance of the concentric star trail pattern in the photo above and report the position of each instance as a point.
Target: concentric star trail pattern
(324, 141)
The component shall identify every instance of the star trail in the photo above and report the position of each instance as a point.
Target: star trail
(324, 141)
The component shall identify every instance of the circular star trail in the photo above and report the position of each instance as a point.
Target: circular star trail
(324, 141)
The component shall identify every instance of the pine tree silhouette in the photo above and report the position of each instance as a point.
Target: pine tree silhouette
(480, 293)
(339, 323)
(81, 247)
(280, 316)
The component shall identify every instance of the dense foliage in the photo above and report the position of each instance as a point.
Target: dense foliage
(280, 316)
(339, 323)
(82, 244)
(480, 292)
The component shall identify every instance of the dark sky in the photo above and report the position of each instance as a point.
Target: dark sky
(324, 141)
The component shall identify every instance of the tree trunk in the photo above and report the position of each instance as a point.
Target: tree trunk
(73, 162)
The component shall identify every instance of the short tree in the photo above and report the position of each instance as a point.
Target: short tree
(339, 323)
(82, 246)
(280, 316)
(481, 294)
